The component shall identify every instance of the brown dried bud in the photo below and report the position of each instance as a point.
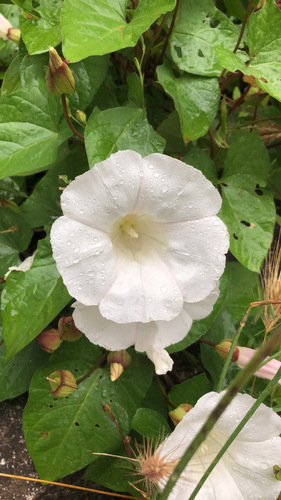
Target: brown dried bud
(67, 329)
(62, 383)
(59, 78)
(49, 340)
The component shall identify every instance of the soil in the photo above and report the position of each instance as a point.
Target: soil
(14, 459)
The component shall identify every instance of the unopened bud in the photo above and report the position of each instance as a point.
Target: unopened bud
(49, 340)
(179, 412)
(81, 117)
(14, 35)
(118, 362)
(67, 329)
(62, 383)
(59, 78)
(223, 350)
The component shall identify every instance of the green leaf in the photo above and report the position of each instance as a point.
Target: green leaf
(61, 433)
(202, 161)
(43, 30)
(248, 209)
(263, 38)
(190, 390)
(15, 375)
(196, 100)
(31, 300)
(43, 205)
(135, 89)
(170, 130)
(14, 242)
(150, 423)
(89, 75)
(199, 27)
(120, 128)
(11, 81)
(98, 27)
(30, 130)
(113, 473)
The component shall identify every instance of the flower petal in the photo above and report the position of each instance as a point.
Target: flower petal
(112, 336)
(202, 309)
(162, 333)
(161, 359)
(85, 259)
(106, 192)
(195, 254)
(175, 191)
(144, 290)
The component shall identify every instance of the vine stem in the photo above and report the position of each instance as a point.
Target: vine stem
(239, 382)
(245, 19)
(69, 122)
(170, 31)
(97, 365)
(164, 392)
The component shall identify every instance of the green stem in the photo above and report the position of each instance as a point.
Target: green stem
(231, 438)
(245, 19)
(239, 382)
(66, 115)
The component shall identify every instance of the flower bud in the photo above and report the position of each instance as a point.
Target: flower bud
(62, 383)
(178, 413)
(59, 78)
(242, 355)
(81, 117)
(223, 350)
(5, 26)
(49, 340)
(118, 362)
(67, 329)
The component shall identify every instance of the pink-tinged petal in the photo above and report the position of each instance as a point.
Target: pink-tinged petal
(106, 192)
(84, 258)
(162, 333)
(144, 290)
(267, 371)
(101, 331)
(5, 25)
(195, 254)
(174, 191)
(161, 359)
(202, 309)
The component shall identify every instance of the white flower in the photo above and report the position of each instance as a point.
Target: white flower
(140, 236)
(24, 266)
(4, 27)
(151, 337)
(244, 472)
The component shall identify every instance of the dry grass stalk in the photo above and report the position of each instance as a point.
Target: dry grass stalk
(271, 284)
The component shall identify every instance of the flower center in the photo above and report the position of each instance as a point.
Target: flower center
(136, 232)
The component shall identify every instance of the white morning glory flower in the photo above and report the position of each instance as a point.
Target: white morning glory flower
(139, 237)
(150, 337)
(244, 472)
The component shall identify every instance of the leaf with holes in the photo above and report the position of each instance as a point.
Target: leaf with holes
(97, 27)
(62, 433)
(31, 300)
(40, 28)
(264, 60)
(199, 27)
(196, 100)
(120, 128)
(248, 207)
